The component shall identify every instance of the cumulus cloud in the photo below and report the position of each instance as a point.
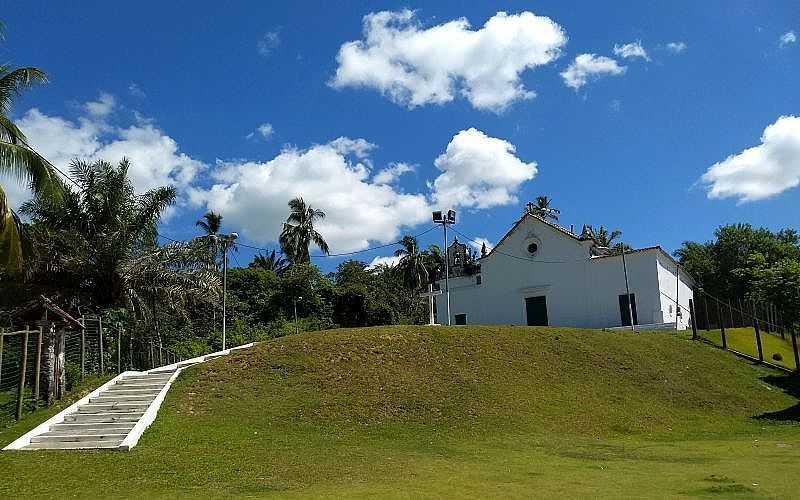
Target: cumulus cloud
(760, 171)
(787, 38)
(589, 66)
(155, 157)
(389, 260)
(102, 107)
(479, 171)
(415, 66)
(136, 91)
(333, 177)
(676, 47)
(631, 50)
(391, 173)
(268, 43)
(264, 131)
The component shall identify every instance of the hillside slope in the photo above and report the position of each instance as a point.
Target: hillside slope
(469, 412)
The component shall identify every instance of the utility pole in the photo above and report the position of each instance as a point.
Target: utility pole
(445, 220)
(627, 288)
(677, 294)
(295, 314)
(227, 241)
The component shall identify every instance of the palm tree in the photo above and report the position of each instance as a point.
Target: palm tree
(270, 262)
(542, 208)
(412, 265)
(100, 244)
(210, 224)
(603, 237)
(298, 232)
(20, 162)
(434, 262)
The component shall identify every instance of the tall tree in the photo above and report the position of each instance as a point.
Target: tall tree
(412, 265)
(542, 208)
(270, 262)
(210, 224)
(20, 162)
(99, 244)
(298, 232)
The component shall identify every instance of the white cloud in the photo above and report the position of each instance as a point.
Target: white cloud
(268, 43)
(760, 171)
(478, 243)
(389, 260)
(333, 177)
(676, 47)
(787, 39)
(136, 91)
(415, 66)
(631, 50)
(391, 173)
(265, 130)
(479, 171)
(586, 66)
(102, 107)
(155, 157)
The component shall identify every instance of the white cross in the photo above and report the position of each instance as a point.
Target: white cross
(431, 294)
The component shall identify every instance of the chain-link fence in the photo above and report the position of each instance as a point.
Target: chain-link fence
(39, 365)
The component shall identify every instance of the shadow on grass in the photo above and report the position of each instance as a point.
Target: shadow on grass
(790, 384)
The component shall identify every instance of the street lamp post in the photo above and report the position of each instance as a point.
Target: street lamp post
(227, 241)
(445, 220)
(295, 314)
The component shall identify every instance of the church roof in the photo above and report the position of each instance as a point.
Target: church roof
(553, 225)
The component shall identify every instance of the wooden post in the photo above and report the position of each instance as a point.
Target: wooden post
(23, 362)
(705, 308)
(100, 335)
(2, 340)
(151, 355)
(758, 340)
(38, 373)
(722, 326)
(796, 354)
(119, 350)
(694, 319)
(730, 310)
(83, 348)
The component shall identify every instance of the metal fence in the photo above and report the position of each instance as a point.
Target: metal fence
(92, 350)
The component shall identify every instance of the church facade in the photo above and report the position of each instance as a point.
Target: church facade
(540, 273)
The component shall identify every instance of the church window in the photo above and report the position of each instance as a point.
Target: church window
(533, 248)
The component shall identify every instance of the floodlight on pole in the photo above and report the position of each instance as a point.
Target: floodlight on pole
(445, 220)
(227, 240)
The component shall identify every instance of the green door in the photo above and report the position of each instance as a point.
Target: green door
(536, 310)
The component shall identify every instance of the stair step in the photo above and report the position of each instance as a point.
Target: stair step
(91, 426)
(50, 438)
(116, 398)
(103, 417)
(75, 445)
(138, 387)
(96, 408)
(87, 432)
(131, 392)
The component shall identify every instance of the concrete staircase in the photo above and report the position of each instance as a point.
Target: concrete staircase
(107, 418)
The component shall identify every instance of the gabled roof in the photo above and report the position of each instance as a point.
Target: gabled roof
(558, 228)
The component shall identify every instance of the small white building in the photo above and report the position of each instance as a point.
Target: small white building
(540, 273)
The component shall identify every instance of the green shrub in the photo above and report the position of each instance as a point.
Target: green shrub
(72, 375)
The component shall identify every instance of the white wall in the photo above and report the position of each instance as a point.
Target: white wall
(667, 281)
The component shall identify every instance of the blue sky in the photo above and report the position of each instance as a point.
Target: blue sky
(185, 87)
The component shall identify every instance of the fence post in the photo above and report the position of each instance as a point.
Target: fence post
(151, 355)
(794, 348)
(38, 373)
(100, 335)
(83, 348)
(119, 350)
(758, 340)
(694, 319)
(24, 366)
(722, 326)
(705, 308)
(2, 340)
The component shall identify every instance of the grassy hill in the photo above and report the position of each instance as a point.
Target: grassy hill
(454, 412)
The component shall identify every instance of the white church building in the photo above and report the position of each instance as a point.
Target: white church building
(540, 273)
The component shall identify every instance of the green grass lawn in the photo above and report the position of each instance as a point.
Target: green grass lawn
(744, 341)
(466, 412)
